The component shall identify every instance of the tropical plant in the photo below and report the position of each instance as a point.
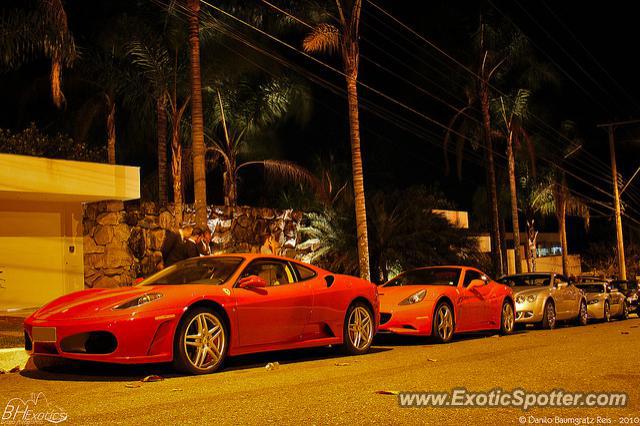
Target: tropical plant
(344, 37)
(513, 111)
(40, 31)
(243, 111)
(162, 62)
(405, 233)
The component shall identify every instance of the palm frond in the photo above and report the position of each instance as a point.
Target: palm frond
(324, 38)
(287, 170)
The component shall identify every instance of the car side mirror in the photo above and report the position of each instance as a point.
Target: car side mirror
(252, 281)
(138, 280)
(475, 283)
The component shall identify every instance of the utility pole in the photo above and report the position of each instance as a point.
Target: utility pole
(611, 128)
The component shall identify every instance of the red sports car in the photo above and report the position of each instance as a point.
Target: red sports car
(198, 311)
(441, 301)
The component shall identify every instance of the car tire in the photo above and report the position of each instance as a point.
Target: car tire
(583, 316)
(606, 314)
(358, 329)
(443, 324)
(507, 319)
(625, 311)
(201, 342)
(549, 316)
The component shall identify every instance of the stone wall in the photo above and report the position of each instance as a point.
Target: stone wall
(122, 241)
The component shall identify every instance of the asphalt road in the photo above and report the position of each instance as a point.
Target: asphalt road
(320, 387)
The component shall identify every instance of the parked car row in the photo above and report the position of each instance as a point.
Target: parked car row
(199, 311)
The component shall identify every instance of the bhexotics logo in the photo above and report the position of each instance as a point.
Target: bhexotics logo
(35, 410)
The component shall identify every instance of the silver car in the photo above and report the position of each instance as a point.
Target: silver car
(604, 301)
(544, 298)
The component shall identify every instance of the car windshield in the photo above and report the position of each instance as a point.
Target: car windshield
(205, 270)
(540, 280)
(625, 285)
(592, 288)
(427, 276)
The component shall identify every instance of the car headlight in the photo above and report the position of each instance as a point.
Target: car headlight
(520, 299)
(531, 298)
(593, 301)
(140, 300)
(414, 298)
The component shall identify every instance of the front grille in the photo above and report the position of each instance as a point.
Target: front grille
(384, 318)
(95, 342)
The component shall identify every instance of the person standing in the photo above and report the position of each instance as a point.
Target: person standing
(204, 247)
(174, 247)
(192, 242)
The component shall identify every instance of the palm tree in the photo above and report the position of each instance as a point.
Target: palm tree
(153, 59)
(514, 110)
(560, 202)
(197, 118)
(247, 109)
(345, 38)
(40, 32)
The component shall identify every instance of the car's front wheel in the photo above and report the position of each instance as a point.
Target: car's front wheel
(606, 315)
(507, 322)
(549, 316)
(201, 342)
(625, 311)
(443, 323)
(583, 315)
(358, 329)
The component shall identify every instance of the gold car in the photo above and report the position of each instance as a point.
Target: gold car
(545, 298)
(604, 302)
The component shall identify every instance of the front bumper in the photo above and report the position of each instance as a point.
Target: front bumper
(140, 338)
(596, 310)
(529, 312)
(405, 320)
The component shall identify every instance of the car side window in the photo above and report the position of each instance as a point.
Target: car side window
(273, 272)
(304, 273)
(560, 279)
(470, 276)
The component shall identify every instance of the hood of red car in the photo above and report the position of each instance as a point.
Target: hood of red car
(392, 296)
(93, 302)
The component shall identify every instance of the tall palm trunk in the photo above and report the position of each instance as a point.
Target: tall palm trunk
(162, 148)
(176, 174)
(532, 236)
(514, 204)
(56, 82)
(111, 129)
(496, 240)
(176, 157)
(230, 185)
(197, 119)
(358, 175)
(561, 213)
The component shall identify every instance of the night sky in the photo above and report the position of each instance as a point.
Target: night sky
(592, 48)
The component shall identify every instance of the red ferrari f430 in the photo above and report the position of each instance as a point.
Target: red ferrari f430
(440, 301)
(197, 312)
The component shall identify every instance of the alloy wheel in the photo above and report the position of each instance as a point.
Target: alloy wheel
(584, 316)
(444, 322)
(551, 315)
(508, 318)
(360, 327)
(204, 341)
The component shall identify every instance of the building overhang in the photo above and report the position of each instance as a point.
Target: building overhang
(42, 179)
